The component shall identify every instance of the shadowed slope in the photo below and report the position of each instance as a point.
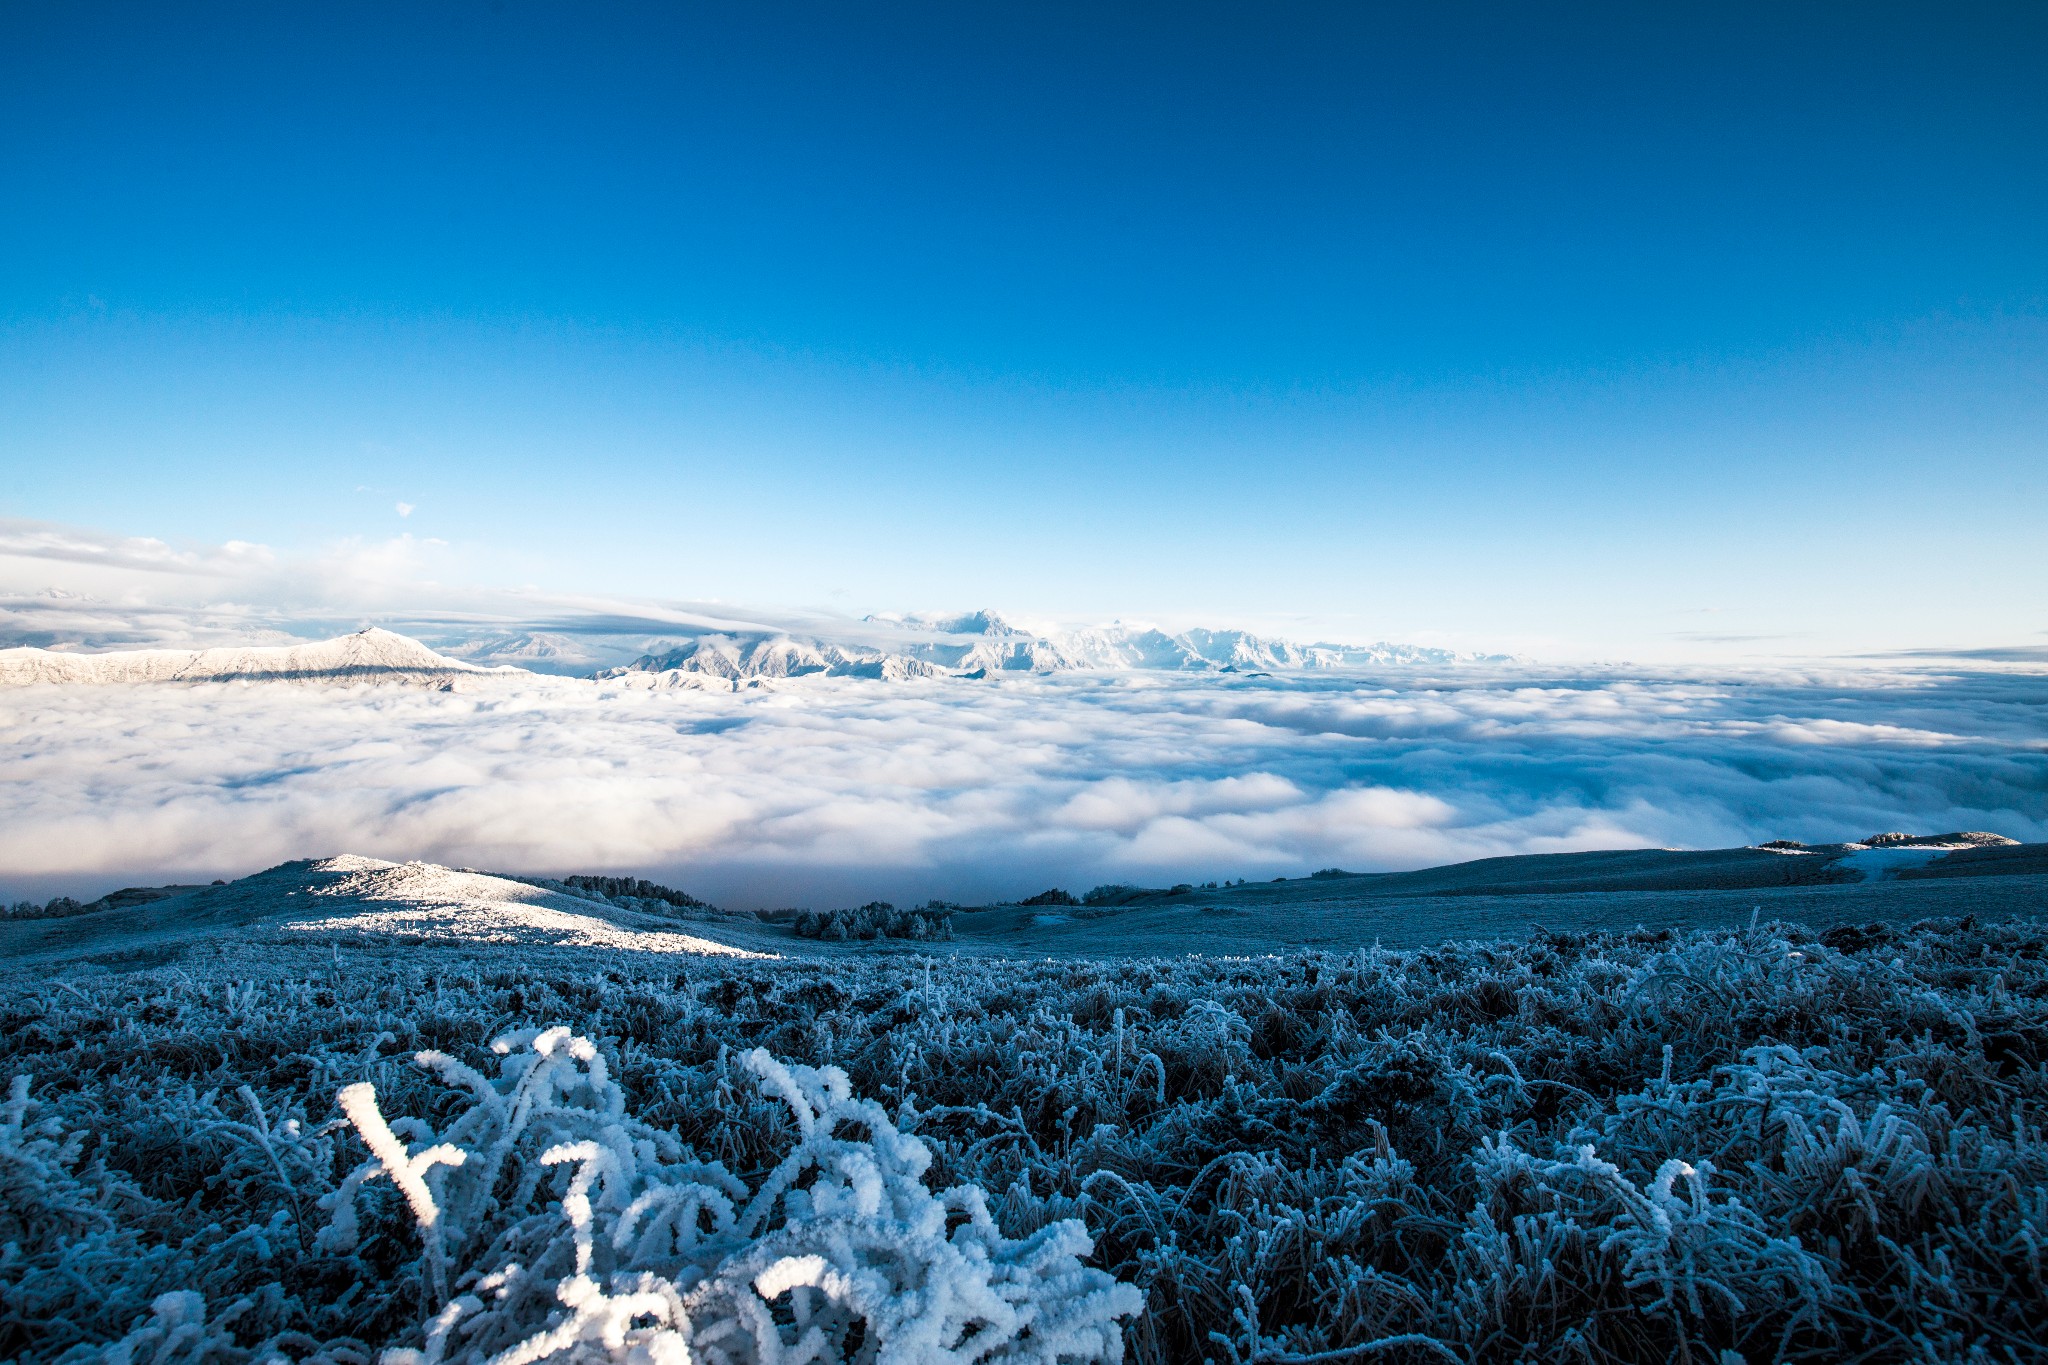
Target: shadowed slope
(366, 901)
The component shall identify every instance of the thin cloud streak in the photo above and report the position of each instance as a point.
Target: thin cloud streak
(72, 587)
(34, 540)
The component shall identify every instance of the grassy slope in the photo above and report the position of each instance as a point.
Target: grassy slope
(1493, 897)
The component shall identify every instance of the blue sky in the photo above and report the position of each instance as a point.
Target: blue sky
(1588, 329)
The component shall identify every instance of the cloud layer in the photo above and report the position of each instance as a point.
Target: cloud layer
(835, 791)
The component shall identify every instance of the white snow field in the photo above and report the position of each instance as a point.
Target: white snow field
(421, 903)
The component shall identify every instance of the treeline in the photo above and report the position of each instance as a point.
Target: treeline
(54, 909)
(877, 919)
(639, 889)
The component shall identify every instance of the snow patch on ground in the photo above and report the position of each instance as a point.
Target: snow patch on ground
(441, 905)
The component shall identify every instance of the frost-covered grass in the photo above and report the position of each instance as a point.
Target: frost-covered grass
(1578, 1147)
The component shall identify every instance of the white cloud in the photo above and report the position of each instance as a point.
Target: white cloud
(77, 588)
(43, 541)
(405, 509)
(846, 790)
(835, 791)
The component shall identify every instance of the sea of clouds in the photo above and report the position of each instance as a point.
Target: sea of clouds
(837, 791)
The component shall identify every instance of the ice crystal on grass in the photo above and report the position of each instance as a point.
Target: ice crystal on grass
(582, 1234)
(1762, 1144)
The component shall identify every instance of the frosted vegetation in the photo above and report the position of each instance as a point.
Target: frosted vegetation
(56, 908)
(1576, 1147)
(636, 891)
(877, 919)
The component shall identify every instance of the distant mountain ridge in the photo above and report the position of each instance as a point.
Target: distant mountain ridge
(534, 650)
(885, 648)
(979, 643)
(366, 656)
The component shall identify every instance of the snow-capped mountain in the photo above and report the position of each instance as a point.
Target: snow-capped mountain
(890, 649)
(737, 658)
(367, 656)
(533, 650)
(979, 643)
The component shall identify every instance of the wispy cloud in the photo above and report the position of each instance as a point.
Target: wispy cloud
(44, 541)
(70, 587)
(2011, 654)
(836, 791)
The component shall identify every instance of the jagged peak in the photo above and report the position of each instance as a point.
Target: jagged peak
(982, 643)
(980, 621)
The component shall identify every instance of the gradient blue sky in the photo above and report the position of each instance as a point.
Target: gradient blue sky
(1576, 329)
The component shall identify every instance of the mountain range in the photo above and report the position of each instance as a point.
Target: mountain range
(980, 643)
(888, 648)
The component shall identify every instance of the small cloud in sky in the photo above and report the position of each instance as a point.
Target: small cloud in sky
(405, 509)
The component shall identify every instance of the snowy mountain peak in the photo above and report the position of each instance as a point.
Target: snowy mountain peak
(539, 651)
(979, 622)
(972, 644)
(979, 643)
(372, 655)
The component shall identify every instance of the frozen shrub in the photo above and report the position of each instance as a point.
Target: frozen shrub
(41, 1196)
(178, 1330)
(86, 1252)
(617, 1244)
